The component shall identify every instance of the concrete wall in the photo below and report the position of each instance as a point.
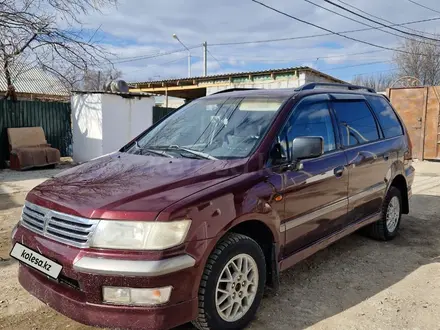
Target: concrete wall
(309, 77)
(124, 119)
(86, 126)
(290, 82)
(103, 123)
(281, 81)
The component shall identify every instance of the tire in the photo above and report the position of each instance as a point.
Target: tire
(232, 248)
(383, 230)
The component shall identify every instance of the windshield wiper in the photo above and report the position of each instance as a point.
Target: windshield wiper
(151, 150)
(157, 152)
(191, 151)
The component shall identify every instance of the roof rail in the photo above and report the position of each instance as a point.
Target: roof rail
(346, 86)
(234, 90)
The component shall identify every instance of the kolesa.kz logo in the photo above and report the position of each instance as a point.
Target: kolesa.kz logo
(35, 260)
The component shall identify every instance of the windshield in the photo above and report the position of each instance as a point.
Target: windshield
(212, 128)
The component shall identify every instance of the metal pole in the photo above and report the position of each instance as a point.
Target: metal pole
(189, 54)
(189, 64)
(99, 80)
(205, 58)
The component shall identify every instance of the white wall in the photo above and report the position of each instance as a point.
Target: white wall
(103, 123)
(86, 126)
(124, 119)
(311, 77)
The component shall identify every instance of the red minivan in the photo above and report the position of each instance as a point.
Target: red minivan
(193, 218)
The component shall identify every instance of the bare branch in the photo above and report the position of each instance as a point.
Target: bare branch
(380, 82)
(424, 70)
(29, 32)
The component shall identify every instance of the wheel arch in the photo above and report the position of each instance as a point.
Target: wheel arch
(263, 234)
(400, 183)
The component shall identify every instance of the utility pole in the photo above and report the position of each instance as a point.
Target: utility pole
(205, 59)
(99, 80)
(189, 64)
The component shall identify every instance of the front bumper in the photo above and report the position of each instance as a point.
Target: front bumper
(73, 304)
(78, 291)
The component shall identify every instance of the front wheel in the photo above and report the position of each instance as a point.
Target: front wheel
(232, 284)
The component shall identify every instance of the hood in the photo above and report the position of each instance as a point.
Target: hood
(127, 186)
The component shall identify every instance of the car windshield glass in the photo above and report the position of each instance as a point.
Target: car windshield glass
(212, 128)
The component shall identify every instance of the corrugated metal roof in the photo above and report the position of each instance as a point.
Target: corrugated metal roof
(238, 74)
(34, 81)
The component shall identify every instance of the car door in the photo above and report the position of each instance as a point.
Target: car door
(315, 195)
(368, 157)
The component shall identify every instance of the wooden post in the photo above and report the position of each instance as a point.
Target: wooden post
(425, 109)
(166, 97)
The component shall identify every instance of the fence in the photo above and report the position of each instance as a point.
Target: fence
(160, 112)
(54, 117)
(419, 108)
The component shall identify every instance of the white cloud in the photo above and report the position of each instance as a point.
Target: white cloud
(139, 28)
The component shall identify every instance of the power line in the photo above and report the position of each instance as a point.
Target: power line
(144, 57)
(159, 54)
(317, 35)
(363, 23)
(377, 22)
(265, 59)
(392, 23)
(214, 58)
(332, 32)
(356, 65)
(374, 72)
(423, 6)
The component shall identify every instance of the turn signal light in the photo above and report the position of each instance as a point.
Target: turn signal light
(136, 296)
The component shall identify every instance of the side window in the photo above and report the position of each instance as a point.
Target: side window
(312, 119)
(388, 120)
(356, 122)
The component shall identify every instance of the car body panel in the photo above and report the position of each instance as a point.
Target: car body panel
(315, 200)
(120, 184)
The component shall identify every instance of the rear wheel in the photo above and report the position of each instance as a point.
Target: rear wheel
(232, 284)
(387, 227)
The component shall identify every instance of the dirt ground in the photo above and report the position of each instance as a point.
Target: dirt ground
(356, 283)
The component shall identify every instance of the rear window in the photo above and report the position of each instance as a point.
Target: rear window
(387, 118)
(356, 122)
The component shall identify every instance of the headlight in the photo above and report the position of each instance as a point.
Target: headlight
(138, 235)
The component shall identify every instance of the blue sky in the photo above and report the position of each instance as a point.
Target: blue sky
(137, 28)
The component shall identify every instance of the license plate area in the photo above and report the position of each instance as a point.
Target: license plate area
(36, 260)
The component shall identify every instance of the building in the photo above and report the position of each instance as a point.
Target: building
(34, 84)
(195, 87)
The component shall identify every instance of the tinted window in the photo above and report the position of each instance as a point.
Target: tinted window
(387, 118)
(356, 122)
(312, 119)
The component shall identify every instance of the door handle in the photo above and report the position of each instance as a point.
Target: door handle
(338, 171)
(386, 156)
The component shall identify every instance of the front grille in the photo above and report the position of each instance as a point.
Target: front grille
(59, 226)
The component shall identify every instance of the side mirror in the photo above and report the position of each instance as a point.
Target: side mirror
(306, 147)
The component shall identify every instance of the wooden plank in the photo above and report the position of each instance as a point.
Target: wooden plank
(409, 103)
(424, 111)
(431, 125)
